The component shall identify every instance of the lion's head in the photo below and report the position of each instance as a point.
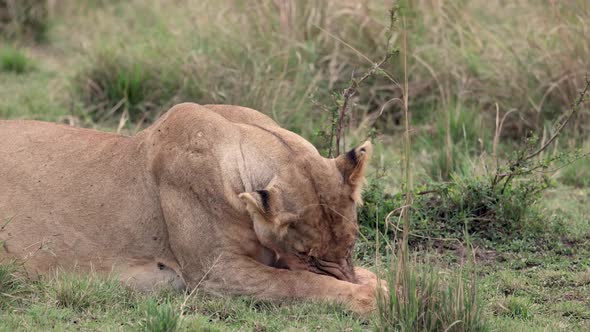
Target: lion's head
(307, 213)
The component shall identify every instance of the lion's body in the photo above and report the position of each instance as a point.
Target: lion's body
(77, 197)
(162, 202)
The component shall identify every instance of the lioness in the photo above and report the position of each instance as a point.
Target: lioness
(216, 197)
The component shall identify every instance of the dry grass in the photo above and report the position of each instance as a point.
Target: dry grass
(281, 56)
(28, 19)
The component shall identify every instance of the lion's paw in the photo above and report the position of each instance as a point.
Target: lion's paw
(366, 277)
(363, 300)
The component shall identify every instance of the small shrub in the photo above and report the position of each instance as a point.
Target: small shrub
(377, 205)
(160, 317)
(488, 213)
(13, 60)
(24, 19)
(84, 292)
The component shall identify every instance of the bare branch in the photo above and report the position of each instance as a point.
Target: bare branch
(575, 108)
(349, 92)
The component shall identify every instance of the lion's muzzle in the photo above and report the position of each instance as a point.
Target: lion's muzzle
(341, 270)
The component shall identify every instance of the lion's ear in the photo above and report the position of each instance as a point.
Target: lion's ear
(352, 166)
(258, 201)
(264, 208)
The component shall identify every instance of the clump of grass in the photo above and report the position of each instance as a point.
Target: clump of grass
(12, 283)
(85, 292)
(455, 138)
(574, 310)
(126, 83)
(510, 283)
(582, 278)
(160, 317)
(515, 307)
(24, 19)
(419, 300)
(14, 60)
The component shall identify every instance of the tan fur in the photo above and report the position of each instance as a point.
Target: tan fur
(213, 196)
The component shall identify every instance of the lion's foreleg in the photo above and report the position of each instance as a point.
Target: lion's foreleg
(241, 275)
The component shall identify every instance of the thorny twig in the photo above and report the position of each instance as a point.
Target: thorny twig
(575, 109)
(351, 90)
(513, 168)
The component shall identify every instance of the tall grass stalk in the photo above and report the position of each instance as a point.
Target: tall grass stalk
(418, 299)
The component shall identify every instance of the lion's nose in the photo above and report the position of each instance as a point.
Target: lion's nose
(341, 270)
(348, 270)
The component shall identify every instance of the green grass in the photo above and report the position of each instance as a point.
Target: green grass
(13, 60)
(118, 82)
(424, 302)
(577, 174)
(160, 317)
(87, 293)
(517, 290)
(69, 302)
(527, 291)
(12, 284)
(540, 290)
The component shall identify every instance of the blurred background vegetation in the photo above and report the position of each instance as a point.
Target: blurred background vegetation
(98, 61)
(485, 79)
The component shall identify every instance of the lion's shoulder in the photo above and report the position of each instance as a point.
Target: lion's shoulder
(191, 113)
(242, 114)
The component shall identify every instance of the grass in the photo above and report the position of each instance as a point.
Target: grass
(118, 83)
(160, 317)
(422, 301)
(525, 291)
(14, 60)
(12, 284)
(518, 290)
(117, 65)
(539, 291)
(25, 19)
(68, 302)
(577, 174)
(87, 293)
